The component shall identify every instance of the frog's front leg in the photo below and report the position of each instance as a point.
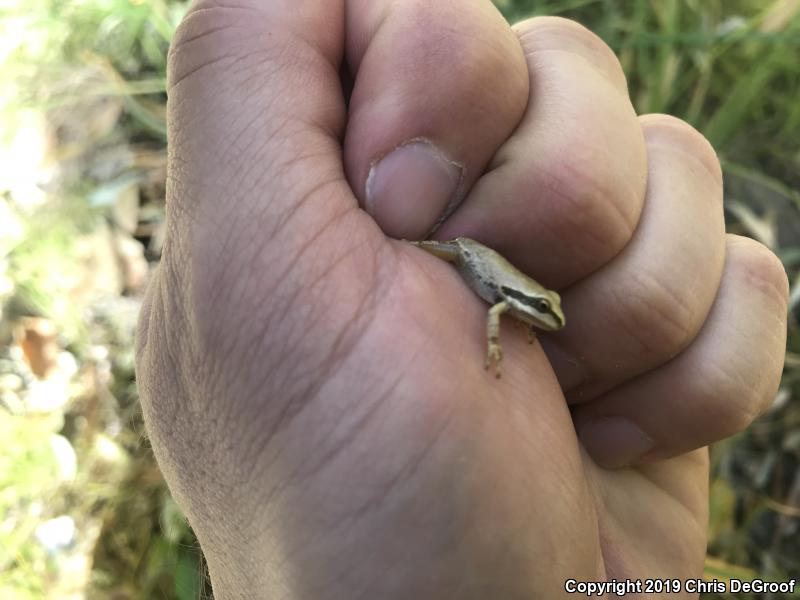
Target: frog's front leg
(494, 353)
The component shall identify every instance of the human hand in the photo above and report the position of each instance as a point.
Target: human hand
(314, 389)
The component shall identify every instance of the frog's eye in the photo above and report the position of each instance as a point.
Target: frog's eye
(543, 305)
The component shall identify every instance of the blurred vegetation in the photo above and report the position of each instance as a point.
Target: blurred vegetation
(83, 509)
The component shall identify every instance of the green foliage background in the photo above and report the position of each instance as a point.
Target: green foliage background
(94, 70)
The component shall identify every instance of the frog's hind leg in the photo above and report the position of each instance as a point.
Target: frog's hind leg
(448, 251)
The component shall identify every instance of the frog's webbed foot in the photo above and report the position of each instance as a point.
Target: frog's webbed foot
(494, 353)
(531, 334)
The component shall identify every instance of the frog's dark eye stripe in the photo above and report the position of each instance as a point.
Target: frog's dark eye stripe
(540, 304)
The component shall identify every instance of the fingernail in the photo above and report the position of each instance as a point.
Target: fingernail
(614, 442)
(409, 189)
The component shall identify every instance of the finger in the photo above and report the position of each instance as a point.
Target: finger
(646, 305)
(563, 195)
(238, 99)
(438, 88)
(256, 183)
(715, 388)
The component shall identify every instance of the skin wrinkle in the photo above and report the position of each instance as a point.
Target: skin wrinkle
(550, 76)
(284, 59)
(675, 309)
(320, 537)
(239, 156)
(650, 474)
(176, 212)
(182, 358)
(678, 322)
(561, 472)
(463, 349)
(262, 209)
(187, 216)
(219, 380)
(197, 16)
(144, 326)
(229, 253)
(691, 494)
(684, 137)
(223, 262)
(403, 474)
(334, 450)
(297, 37)
(311, 239)
(734, 402)
(347, 573)
(613, 561)
(182, 322)
(342, 345)
(170, 307)
(309, 197)
(238, 63)
(222, 295)
(689, 157)
(592, 46)
(767, 286)
(242, 159)
(233, 293)
(533, 55)
(199, 69)
(182, 461)
(586, 196)
(299, 476)
(283, 303)
(434, 271)
(264, 89)
(179, 46)
(181, 40)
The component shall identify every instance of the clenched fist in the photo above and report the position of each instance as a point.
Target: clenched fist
(314, 388)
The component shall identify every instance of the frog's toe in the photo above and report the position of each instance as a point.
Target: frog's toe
(494, 355)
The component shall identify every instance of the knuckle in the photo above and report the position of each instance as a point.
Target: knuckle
(732, 400)
(659, 319)
(759, 267)
(588, 202)
(672, 132)
(558, 33)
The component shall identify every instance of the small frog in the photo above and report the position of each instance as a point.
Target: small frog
(504, 286)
